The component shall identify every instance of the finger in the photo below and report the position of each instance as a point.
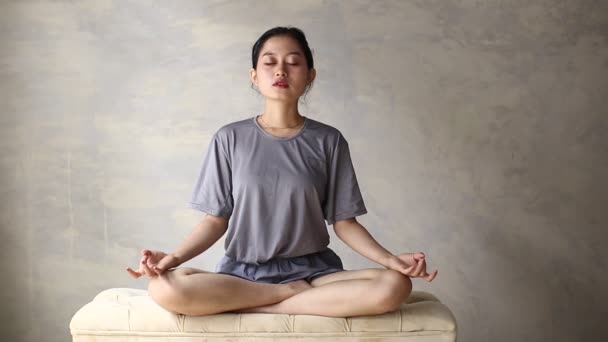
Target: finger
(149, 262)
(145, 252)
(400, 266)
(420, 268)
(414, 272)
(153, 267)
(134, 274)
(146, 270)
(144, 260)
(424, 273)
(159, 268)
(419, 256)
(408, 271)
(432, 276)
(155, 270)
(427, 276)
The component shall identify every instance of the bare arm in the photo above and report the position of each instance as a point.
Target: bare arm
(203, 236)
(360, 240)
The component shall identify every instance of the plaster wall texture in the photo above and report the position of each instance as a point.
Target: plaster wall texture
(477, 130)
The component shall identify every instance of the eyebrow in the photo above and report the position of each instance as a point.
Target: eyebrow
(290, 53)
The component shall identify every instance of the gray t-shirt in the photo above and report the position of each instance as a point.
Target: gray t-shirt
(277, 192)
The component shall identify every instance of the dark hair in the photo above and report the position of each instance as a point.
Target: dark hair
(289, 31)
(292, 32)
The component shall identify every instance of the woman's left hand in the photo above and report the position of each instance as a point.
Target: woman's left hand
(410, 264)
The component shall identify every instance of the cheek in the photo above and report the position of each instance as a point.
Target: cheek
(302, 74)
(265, 75)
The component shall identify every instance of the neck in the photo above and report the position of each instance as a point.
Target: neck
(281, 114)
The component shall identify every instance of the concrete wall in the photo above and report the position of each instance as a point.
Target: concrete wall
(477, 129)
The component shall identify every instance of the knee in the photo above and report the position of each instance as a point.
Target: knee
(166, 292)
(394, 288)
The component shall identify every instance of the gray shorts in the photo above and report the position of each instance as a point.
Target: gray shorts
(284, 270)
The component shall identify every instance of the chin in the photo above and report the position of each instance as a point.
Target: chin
(282, 97)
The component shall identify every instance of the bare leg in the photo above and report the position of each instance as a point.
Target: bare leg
(195, 292)
(349, 293)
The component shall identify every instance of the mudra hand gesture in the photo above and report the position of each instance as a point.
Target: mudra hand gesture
(411, 264)
(153, 263)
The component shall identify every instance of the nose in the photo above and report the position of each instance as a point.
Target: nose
(280, 71)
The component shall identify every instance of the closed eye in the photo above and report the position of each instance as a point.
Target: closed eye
(276, 63)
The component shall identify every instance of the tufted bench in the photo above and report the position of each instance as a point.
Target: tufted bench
(122, 314)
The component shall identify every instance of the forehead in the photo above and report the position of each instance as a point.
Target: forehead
(281, 45)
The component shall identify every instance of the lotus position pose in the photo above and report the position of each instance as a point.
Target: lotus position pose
(270, 183)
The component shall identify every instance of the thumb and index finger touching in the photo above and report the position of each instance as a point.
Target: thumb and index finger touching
(160, 261)
(147, 266)
(418, 269)
(418, 255)
(157, 263)
(162, 265)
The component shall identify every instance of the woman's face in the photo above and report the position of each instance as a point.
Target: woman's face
(281, 58)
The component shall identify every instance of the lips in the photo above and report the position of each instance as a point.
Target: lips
(280, 83)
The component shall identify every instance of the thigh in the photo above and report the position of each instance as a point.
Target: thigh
(193, 277)
(185, 278)
(172, 279)
(181, 271)
(366, 273)
(196, 292)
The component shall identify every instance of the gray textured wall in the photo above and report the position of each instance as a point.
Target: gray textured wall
(477, 129)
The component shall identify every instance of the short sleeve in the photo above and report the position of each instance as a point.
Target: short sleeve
(343, 198)
(213, 190)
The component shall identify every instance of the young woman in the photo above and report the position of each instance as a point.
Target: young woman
(269, 183)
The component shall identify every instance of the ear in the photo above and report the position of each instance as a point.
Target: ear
(253, 76)
(312, 74)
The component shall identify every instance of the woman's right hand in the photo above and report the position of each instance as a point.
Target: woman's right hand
(153, 263)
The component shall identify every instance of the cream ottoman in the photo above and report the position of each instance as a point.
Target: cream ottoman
(123, 314)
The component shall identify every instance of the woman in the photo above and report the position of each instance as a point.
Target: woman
(270, 182)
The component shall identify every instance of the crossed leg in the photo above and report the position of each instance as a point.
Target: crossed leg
(195, 292)
(348, 293)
